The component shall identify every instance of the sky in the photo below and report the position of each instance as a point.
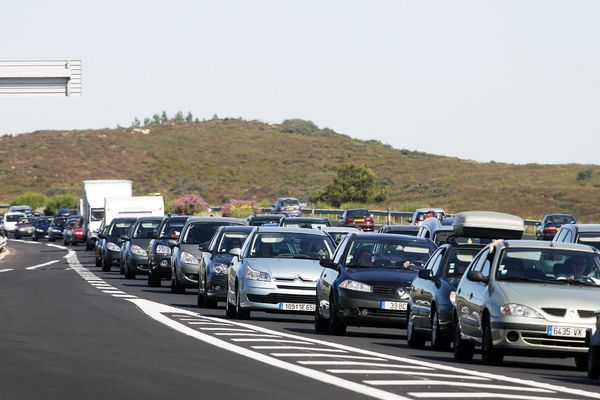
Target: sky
(505, 81)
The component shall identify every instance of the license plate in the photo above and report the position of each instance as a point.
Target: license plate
(296, 307)
(394, 305)
(359, 220)
(565, 331)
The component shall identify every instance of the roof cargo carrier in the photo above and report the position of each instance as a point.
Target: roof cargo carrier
(488, 225)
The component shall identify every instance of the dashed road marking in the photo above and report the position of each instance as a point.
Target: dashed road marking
(7, 270)
(427, 382)
(42, 265)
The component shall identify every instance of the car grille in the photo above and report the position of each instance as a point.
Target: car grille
(296, 287)
(586, 313)
(382, 290)
(275, 298)
(386, 313)
(299, 278)
(545, 340)
(557, 312)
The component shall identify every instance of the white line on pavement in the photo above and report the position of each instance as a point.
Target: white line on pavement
(56, 246)
(478, 395)
(425, 382)
(398, 372)
(42, 265)
(326, 355)
(7, 270)
(298, 348)
(366, 364)
(245, 334)
(271, 340)
(227, 329)
(24, 241)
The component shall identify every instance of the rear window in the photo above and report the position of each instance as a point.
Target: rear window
(560, 219)
(289, 203)
(358, 213)
(262, 221)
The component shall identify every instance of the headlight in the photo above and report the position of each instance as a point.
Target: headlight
(358, 286)
(453, 297)
(189, 258)
(112, 247)
(519, 310)
(221, 269)
(257, 275)
(403, 293)
(39, 230)
(162, 249)
(138, 251)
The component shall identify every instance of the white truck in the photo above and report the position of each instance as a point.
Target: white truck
(92, 203)
(137, 206)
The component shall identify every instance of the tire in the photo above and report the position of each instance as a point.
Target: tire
(489, 354)
(581, 362)
(439, 340)
(336, 327)
(152, 280)
(129, 274)
(50, 239)
(105, 268)
(413, 338)
(229, 309)
(593, 363)
(176, 287)
(65, 243)
(207, 302)
(240, 313)
(98, 264)
(88, 246)
(321, 324)
(463, 349)
(121, 267)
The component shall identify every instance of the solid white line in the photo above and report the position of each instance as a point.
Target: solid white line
(114, 292)
(42, 265)
(245, 334)
(24, 241)
(7, 269)
(208, 323)
(366, 364)
(125, 296)
(326, 355)
(104, 287)
(297, 348)
(153, 310)
(478, 395)
(397, 372)
(271, 340)
(424, 382)
(56, 246)
(227, 329)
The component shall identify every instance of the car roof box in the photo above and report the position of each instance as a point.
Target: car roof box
(488, 225)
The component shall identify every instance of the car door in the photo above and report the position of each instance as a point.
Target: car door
(428, 290)
(419, 289)
(328, 277)
(473, 296)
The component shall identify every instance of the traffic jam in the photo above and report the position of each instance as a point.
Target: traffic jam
(466, 284)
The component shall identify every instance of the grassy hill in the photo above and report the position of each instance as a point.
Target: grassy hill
(233, 158)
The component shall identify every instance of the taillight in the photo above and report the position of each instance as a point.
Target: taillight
(550, 229)
(349, 221)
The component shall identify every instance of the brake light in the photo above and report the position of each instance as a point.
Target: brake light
(369, 220)
(550, 229)
(349, 221)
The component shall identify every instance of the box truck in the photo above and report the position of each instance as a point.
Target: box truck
(137, 206)
(92, 203)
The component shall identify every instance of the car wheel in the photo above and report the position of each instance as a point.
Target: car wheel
(50, 239)
(88, 246)
(152, 280)
(229, 309)
(593, 363)
(413, 338)
(489, 354)
(439, 339)
(65, 243)
(336, 327)
(105, 268)
(121, 267)
(321, 324)
(176, 287)
(581, 362)
(98, 262)
(240, 313)
(463, 349)
(207, 301)
(129, 274)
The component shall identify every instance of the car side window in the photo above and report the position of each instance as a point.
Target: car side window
(435, 265)
(559, 237)
(337, 256)
(482, 263)
(567, 237)
(435, 257)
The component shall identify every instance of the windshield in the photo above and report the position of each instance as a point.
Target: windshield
(59, 222)
(97, 214)
(337, 236)
(171, 230)
(202, 232)
(291, 245)
(232, 240)
(262, 221)
(551, 265)
(458, 263)
(145, 230)
(13, 218)
(42, 221)
(591, 239)
(289, 203)
(119, 228)
(388, 253)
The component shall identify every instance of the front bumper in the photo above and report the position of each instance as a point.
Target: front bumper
(267, 296)
(358, 309)
(112, 257)
(137, 263)
(187, 274)
(160, 266)
(521, 336)
(216, 286)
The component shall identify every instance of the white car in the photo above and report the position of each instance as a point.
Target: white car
(10, 222)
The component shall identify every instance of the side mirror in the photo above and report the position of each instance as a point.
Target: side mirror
(124, 237)
(476, 276)
(537, 223)
(426, 274)
(328, 264)
(236, 251)
(172, 242)
(203, 248)
(410, 219)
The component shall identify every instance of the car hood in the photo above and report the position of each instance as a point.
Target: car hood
(192, 249)
(381, 276)
(286, 268)
(538, 295)
(143, 243)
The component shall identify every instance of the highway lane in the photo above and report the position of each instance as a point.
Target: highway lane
(154, 346)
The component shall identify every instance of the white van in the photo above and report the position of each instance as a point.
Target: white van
(10, 222)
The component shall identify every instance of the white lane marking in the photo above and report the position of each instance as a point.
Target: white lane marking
(208, 323)
(398, 372)
(271, 340)
(104, 287)
(227, 329)
(114, 292)
(180, 315)
(190, 319)
(326, 355)
(366, 364)
(68, 269)
(478, 395)
(298, 348)
(245, 334)
(24, 241)
(125, 296)
(425, 382)
(156, 310)
(7, 270)
(42, 265)
(57, 247)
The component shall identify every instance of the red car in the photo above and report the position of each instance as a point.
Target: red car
(360, 218)
(74, 232)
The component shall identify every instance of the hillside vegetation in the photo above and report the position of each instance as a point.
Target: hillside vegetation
(232, 158)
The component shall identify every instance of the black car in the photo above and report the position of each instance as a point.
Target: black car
(134, 257)
(368, 281)
(111, 246)
(261, 219)
(160, 249)
(56, 228)
(304, 222)
(215, 262)
(430, 304)
(40, 227)
(550, 225)
(410, 230)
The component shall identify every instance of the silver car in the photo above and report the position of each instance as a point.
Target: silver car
(277, 271)
(527, 298)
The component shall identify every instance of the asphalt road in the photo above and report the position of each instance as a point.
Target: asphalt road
(70, 331)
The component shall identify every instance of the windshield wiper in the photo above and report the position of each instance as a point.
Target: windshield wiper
(299, 256)
(525, 279)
